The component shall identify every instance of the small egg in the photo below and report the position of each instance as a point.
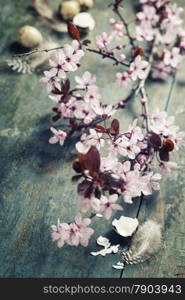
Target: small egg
(85, 3)
(69, 9)
(29, 36)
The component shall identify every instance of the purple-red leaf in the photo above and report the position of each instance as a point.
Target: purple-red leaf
(66, 86)
(114, 130)
(77, 166)
(73, 31)
(92, 160)
(154, 140)
(100, 128)
(164, 155)
(76, 178)
(85, 188)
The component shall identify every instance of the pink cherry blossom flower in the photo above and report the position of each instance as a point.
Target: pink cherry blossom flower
(132, 186)
(109, 163)
(79, 231)
(91, 203)
(135, 131)
(59, 136)
(104, 111)
(50, 80)
(137, 67)
(117, 31)
(145, 31)
(66, 109)
(93, 139)
(131, 147)
(173, 57)
(92, 96)
(85, 231)
(72, 57)
(82, 110)
(148, 15)
(158, 3)
(103, 40)
(150, 183)
(108, 205)
(123, 79)
(60, 233)
(173, 14)
(57, 64)
(126, 147)
(87, 80)
(161, 71)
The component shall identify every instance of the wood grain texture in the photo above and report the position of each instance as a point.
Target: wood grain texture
(35, 176)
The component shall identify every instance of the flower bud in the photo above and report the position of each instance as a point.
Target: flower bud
(122, 57)
(143, 101)
(112, 21)
(29, 36)
(69, 9)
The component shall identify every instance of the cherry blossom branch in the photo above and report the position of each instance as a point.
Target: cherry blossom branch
(131, 162)
(99, 52)
(108, 55)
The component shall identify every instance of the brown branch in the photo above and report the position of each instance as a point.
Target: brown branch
(103, 54)
(117, 12)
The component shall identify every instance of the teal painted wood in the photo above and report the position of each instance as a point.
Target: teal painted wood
(35, 176)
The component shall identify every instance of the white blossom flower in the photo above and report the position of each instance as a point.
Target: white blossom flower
(137, 67)
(59, 136)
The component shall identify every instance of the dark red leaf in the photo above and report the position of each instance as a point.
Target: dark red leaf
(76, 178)
(114, 130)
(100, 128)
(56, 91)
(154, 140)
(73, 31)
(164, 155)
(56, 118)
(92, 160)
(73, 123)
(81, 158)
(77, 167)
(66, 86)
(97, 193)
(85, 188)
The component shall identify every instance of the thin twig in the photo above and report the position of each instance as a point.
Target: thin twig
(171, 90)
(126, 26)
(36, 51)
(141, 89)
(103, 54)
(140, 204)
(107, 55)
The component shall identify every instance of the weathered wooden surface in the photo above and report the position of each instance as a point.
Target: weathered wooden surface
(35, 176)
